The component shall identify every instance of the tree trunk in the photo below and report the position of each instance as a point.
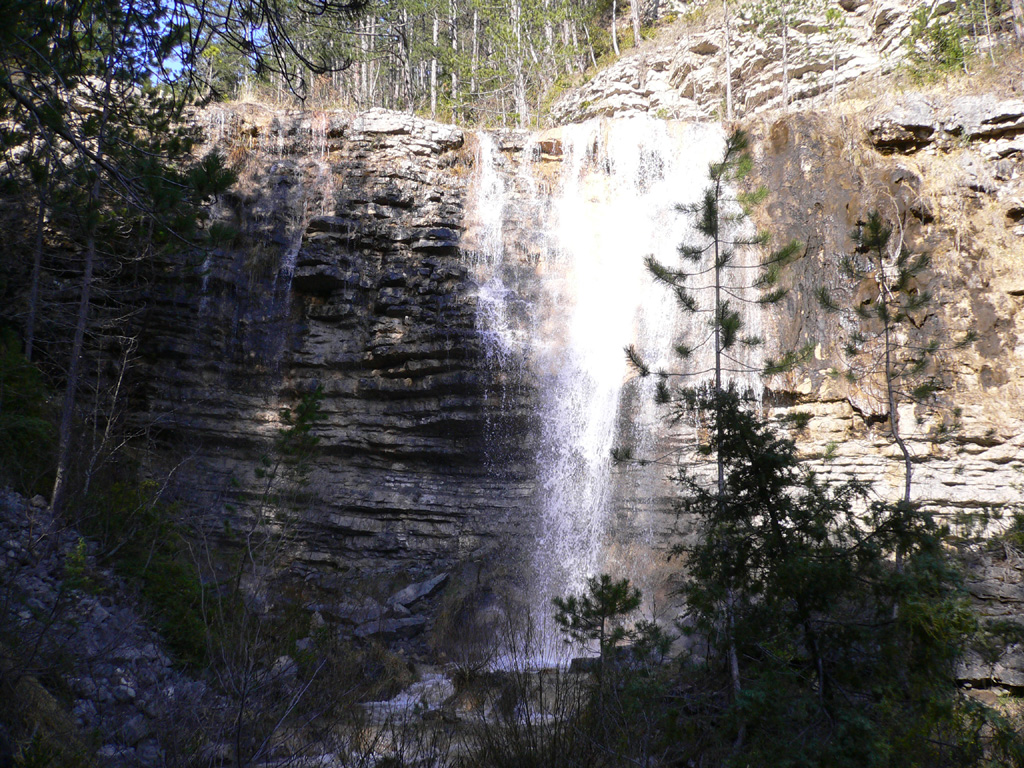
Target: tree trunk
(409, 104)
(455, 56)
(476, 54)
(67, 413)
(590, 48)
(68, 406)
(988, 32)
(364, 67)
(728, 63)
(433, 73)
(371, 65)
(785, 62)
(615, 37)
(634, 12)
(37, 264)
(519, 64)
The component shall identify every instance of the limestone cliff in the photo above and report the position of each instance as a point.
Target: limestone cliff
(355, 271)
(683, 72)
(345, 276)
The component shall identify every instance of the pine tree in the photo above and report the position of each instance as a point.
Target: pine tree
(714, 282)
(597, 614)
(720, 218)
(76, 87)
(886, 305)
(807, 595)
(847, 658)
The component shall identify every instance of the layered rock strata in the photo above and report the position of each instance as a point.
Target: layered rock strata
(683, 74)
(966, 443)
(345, 278)
(352, 274)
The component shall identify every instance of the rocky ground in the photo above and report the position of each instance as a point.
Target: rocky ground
(110, 688)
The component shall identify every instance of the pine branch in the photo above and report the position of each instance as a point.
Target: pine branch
(825, 300)
(636, 361)
(788, 361)
(660, 272)
(684, 351)
(687, 302)
(773, 297)
(692, 252)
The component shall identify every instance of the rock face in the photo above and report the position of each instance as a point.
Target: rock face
(345, 277)
(957, 202)
(351, 273)
(686, 78)
(996, 587)
(946, 204)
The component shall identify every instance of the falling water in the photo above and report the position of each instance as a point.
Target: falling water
(495, 300)
(614, 202)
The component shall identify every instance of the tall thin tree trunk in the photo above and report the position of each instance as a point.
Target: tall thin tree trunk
(407, 48)
(364, 67)
(476, 54)
(549, 38)
(615, 36)
(590, 47)
(988, 32)
(37, 264)
(634, 12)
(433, 72)
(455, 56)
(374, 68)
(730, 599)
(68, 406)
(519, 87)
(67, 415)
(728, 62)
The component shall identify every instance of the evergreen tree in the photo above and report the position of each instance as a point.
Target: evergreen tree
(716, 283)
(725, 284)
(847, 659)
(597, 614)
(887, 305)
(831, 624)
(77, 93)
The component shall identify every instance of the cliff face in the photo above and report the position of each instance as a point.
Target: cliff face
(951, 195)
(345, 277)
(356, 271)
(684, 73)
(947, 172)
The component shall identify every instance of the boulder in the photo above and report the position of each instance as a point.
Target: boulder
(414, 592)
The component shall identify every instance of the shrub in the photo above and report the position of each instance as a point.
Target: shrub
(27, 430)
(140, 537)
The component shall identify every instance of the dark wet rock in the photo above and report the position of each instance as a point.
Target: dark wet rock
(414, 592)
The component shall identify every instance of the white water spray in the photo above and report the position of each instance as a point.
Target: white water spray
(615, 202)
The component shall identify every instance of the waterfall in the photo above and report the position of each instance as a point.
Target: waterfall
(587, 294)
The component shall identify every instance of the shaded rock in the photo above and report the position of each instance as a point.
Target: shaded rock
(414, 592)
(135, 730)
(402, 627)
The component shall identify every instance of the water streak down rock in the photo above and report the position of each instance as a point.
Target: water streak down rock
(380, 318)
